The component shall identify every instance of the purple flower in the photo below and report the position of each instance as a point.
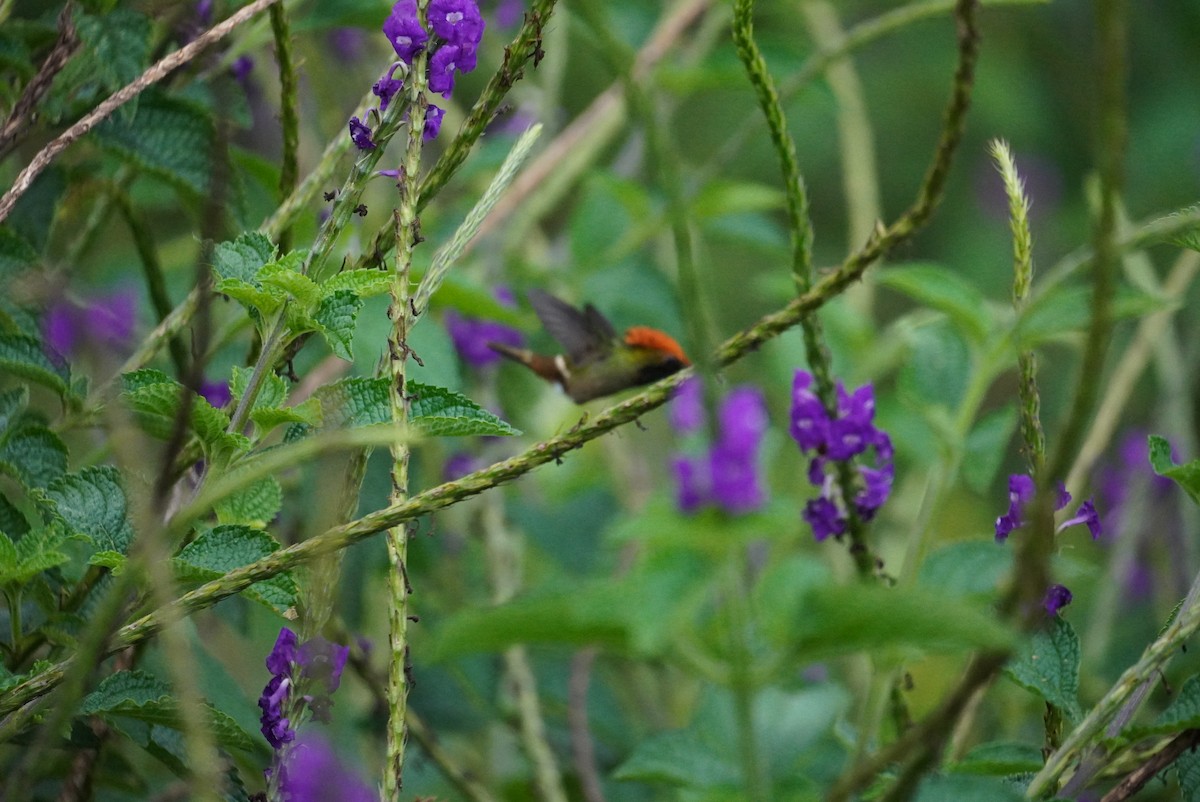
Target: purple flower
(845, 437)
(320, 666)
(106, 320)
(441, 69)
(1020, 492)
(433, 122)
(728, 475)
(471, 336)
(204, 10)
(457, 21)
(241, 68)
(59, 328)
(276, 728)
(1057, 597)
(313, 773)
(283, 653)
(216, 392)
(404, 31)
(360, 134)
(387, 87)
(686, 412)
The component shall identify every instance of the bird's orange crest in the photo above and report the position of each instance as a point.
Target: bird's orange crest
(646, 337)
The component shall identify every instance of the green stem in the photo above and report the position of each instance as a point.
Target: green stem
(289, 116)
(742, 682)
(156, 284)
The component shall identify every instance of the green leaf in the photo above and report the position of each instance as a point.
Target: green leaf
(34, 553)
(1000, 758)
(285, 276)
(12, 520)
(986, 448)
(256, 505)
(1048, 665)
(939, 368)
(1186, 476)
(968, 568)
(116, 45)
(228, 546)
(307, 413)
(243, 257)
(942, 289)
(12, 404)
(23, 356)
(168, 137)
(440, 413)
(959, 787)
(33, 455)
(248, 295)
(1182, 714)
(140, 696)
(335, 318)
(154, 398)
(1066, 310)
(272, 390)
(834, 619)
(16, 254)
(1187, 766)
(92, 503)
(719, 198)
(352, 402)
(364, 283)
(113, 560)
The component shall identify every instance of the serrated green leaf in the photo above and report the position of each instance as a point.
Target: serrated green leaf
(284, 276)
(16, 254)
(1048, 665)
(1186, 476)
(92, 504)
(308, 413)
(113, 560)
(140, 696)
(154, 398)
(363, 283)
(1188, 767)
(252, 297)
(12, 404)
(243, 257)
(939, 369)
(23, 356)
(272, 390)
(116, 45)
(939, 288)
(33, 455)
(1000, 758)
(1182, 714)
(336, 316)
(34, 553)
(229, 546)
(168, 137)
(969, 568)
(444, 413)
(256, 505)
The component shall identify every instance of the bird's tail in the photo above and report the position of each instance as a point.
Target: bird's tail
(544, 366)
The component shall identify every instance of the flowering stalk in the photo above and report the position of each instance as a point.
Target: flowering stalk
(407, 237)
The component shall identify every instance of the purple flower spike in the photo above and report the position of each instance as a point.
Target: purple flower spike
(1086, 514)
(471, 337)
(313, 773)
(824, 518)
(1057, 597)
(692, 483)
(809, 425)
(283, 653)
(743, 419)
(728, 475)
(433, 122)
(59, 329)
(241, 68)
(457, 21)
(1020, 492)
(404, 31)
(360, 134)
(112, 318)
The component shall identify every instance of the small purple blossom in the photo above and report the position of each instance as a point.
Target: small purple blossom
(403, 29)
(686, 412)
(387, 87)
(276, 727)
(1021, 491)
(433, 122)
(441, 69)
(241, 68)
(728, 475)
(283, 653)
(1057, 597)
(360, 134)
(457, 21)
(320, 665)
(107, 320)
(216, 392)
(313, 773)
(848, 435)
(471, 336)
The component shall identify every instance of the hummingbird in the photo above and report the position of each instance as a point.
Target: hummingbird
(596, 361)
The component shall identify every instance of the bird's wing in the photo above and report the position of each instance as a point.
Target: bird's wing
(580, 333)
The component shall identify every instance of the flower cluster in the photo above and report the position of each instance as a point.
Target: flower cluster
(457, 29)
(108, 320)
(320, 665)
(471, 335)
(1020, 493)
(840, 438)
(728, 474)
